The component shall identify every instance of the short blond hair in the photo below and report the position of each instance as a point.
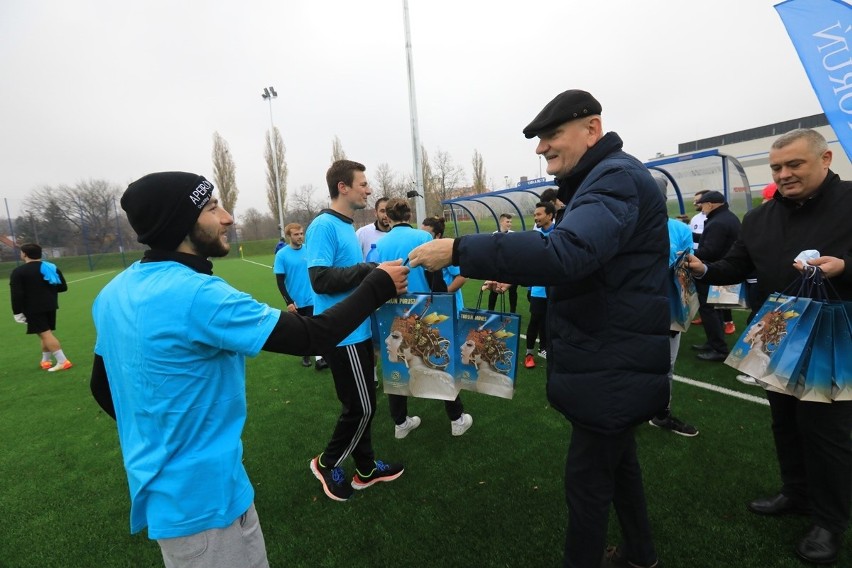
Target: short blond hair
(290, 228)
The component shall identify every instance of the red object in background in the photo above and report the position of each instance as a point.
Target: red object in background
(769, 191)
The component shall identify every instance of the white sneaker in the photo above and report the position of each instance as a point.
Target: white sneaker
(542, 353)
(747, 380)
(400, 431)
(461, 425)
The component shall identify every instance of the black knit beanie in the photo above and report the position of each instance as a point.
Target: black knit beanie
(163, 207)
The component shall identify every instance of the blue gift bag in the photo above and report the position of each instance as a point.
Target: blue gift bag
(730, 297)
(814, 381)
(764, 335)
(418, 338)
(842, 379)
(488, 354)
(683, 297)
(797, 324)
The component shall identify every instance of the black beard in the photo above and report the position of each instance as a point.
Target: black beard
(206, 246)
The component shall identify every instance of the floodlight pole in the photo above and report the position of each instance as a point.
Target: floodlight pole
(419, 201)
(269, 94)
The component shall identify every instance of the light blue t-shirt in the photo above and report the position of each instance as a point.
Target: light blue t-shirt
(293, 263)
(331, 241)
(174, 343)
(541, 291)
(680, 239)
(401, 240)
(450, 274)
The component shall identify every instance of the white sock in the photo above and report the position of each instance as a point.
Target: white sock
(60, 357)
(45, 356)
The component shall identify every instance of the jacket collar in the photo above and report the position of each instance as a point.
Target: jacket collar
(568, 185)
(340, 216)
(830, 179)
(192, 261)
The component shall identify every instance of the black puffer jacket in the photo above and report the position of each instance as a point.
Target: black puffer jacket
(778, 230)
(606, 268)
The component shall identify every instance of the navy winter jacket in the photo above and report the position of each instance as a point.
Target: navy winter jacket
(605, 265)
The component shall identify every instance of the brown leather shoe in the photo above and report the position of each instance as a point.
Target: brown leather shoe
(819, 546)
(777, 505)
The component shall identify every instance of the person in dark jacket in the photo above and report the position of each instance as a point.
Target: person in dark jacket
(605, 265)
(813, 441)
(35, 288)
(721, 228)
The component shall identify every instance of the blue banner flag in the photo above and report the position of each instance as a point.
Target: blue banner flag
(820, 31)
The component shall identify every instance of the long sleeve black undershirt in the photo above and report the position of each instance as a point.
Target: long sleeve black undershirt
(279, 279)
(295, 334)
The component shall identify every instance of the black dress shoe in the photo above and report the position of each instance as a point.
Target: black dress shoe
(819, 546)
(320, 364)
(306, 361)
(712, 356)
(777, 505)
(703, 347)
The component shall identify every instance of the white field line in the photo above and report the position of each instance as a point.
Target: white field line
(90, 277)
(678, 378)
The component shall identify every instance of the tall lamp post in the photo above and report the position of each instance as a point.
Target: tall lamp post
(269, 94)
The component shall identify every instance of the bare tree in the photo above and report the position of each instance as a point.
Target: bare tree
(255, 225)
(84, 213)
(271, 197)
(303, 207)
(446, 178)
(478, 173)
(385, 184)
(337, 152)
(224, 173)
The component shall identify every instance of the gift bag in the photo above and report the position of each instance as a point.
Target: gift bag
(488, 356)
(683, 297)
(765, 336)
(814, 381)
(841, 388)
(730, 297)
(418, 340)
(786, 362)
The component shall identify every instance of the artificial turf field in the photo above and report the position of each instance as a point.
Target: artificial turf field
(493, 497)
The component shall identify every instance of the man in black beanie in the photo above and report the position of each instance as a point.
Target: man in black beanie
(605, 265)
(170, 368)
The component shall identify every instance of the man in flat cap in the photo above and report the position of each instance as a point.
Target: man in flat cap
(721, 228)
(170, 368)
(605, 265)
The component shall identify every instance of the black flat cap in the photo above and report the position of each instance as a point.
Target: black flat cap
(567, 106)
(711, 197)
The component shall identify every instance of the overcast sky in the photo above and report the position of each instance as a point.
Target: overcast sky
(114, 90)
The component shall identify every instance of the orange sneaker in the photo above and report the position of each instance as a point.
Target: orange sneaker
(46, 365)
(730, 328)
(61, 366)
(529, 361)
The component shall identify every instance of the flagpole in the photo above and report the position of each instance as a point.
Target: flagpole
(419, 201)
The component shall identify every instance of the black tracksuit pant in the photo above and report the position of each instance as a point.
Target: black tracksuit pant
(352, 369)
(398, 406)
(711, 319)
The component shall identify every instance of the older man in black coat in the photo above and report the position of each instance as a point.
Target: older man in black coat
(605, 265)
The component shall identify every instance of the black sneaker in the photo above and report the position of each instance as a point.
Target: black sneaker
(333, 480)
(320, 364)
(673, 424)
(306, 361)
(382, 472)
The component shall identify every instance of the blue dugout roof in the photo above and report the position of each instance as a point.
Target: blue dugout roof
(686, 174)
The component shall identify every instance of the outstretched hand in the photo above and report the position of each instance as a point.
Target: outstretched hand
(831, 266)
(433, 255)
(398, 273)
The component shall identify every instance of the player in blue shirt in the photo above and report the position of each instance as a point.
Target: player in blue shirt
(292, 261)
(401, 240)
(336, 266)
(170, 368)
